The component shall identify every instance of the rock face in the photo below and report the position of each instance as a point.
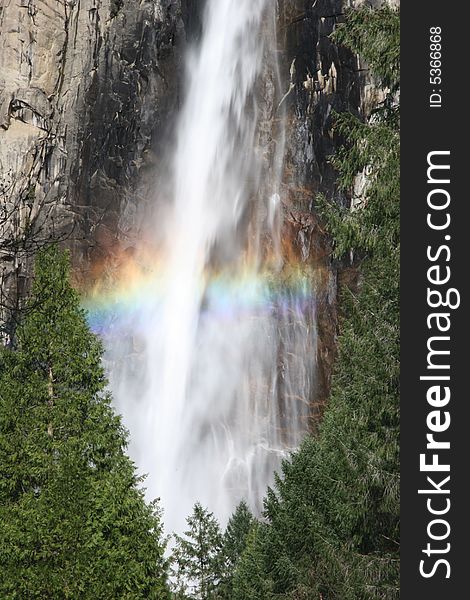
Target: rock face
(85, 86)
(318, 77)
(88, 93)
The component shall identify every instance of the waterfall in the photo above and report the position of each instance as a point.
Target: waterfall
(216, 381)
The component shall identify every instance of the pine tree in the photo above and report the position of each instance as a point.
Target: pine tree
(197, 557)
(233, 545)
(250, 581)
(374, 34)
(74, 521)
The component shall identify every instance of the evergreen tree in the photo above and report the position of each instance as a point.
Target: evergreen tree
(374, 34)
(197, 557)
(249, 579)
(234, 543)
(74, 521)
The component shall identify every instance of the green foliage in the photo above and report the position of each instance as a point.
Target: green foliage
(374, 34)
(372, 151)
(197, 561)
(250, 581)
(205, 560)
(234, 543)
(74, 522)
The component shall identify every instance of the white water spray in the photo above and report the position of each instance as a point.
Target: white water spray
(224, 391)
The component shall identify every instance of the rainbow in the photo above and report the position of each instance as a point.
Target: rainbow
(122, 299)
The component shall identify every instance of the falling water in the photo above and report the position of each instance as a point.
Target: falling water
(220, 387)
